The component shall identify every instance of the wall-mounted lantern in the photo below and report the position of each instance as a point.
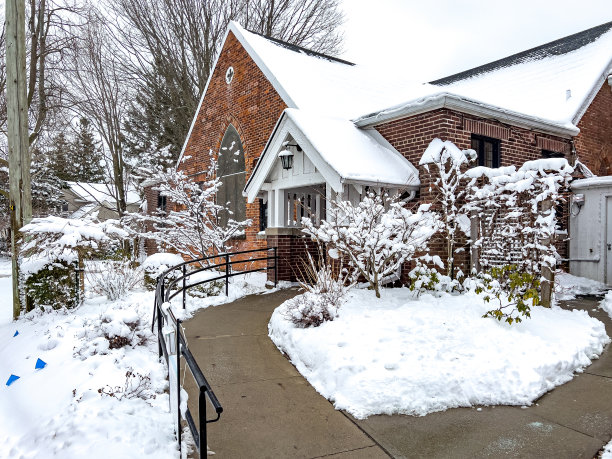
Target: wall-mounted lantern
(286, 155)
(286, 158)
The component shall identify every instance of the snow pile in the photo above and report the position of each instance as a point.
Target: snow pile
(568, 286)
(606, 303)
(607, 452)
(417, 356)
(156, 264)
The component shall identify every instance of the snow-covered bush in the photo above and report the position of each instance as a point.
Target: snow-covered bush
(157, 264)
(374, 236)
(325, 291)
(191, 224)
(113, 278)
(517, 214)
(136, 385)
(448, 185)
(50, 284)
(424, 277)
(52, 249)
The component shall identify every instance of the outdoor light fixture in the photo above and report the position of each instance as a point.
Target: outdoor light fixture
(286, 158)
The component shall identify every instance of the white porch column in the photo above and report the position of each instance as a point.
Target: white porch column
(279, 209)
(270, 222)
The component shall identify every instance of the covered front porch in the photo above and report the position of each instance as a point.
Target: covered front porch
(310, 161)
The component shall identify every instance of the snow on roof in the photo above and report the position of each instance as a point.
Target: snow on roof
(555, 81)
(323, 84)
(593, 182)
(100, 192)
(352, 152)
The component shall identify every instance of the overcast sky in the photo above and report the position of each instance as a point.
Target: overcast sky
(434, 38)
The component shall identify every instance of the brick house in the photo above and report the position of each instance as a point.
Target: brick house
(345, 128)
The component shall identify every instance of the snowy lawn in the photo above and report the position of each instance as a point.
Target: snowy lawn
(58, 410)
(410, 355)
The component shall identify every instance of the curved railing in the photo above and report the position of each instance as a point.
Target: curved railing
(171, 340)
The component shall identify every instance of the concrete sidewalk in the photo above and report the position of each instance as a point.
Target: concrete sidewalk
(271, 411)
(572, 421)
(269, 408)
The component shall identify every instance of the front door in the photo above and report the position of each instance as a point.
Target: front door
(608, 241)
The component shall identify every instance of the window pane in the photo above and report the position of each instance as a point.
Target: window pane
(488, 154)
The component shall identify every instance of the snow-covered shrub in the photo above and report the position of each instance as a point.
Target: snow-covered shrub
(448, 185)
(325, 291)
(156, 264)
(190, 225)
(113, 278)
(50, 284)
(52, 247)
(113, 329)
(374, 236)
(136, 385)
(424, 277)
(517, 214)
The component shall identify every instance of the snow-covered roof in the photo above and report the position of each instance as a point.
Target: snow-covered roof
(100, 193)
(593, 182)
(341, 152)
(555, 81)
(323, 84)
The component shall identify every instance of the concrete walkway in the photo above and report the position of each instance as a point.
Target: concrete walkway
(271, 411)
(269, 408)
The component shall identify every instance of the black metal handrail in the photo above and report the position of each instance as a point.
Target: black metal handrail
(163, 294)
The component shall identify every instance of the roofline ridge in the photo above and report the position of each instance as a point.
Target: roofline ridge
(301, 48)
(493, 64)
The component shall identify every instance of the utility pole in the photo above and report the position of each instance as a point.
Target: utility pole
(20, 199)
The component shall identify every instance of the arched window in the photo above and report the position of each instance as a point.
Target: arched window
(231, 172)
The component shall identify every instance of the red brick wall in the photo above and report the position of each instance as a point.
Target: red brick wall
(594, 142)
(292, 253)
(411, 136)
(251, 104)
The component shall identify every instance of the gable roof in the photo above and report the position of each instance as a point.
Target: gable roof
(319, 83)
(340, 151)
(555, 81)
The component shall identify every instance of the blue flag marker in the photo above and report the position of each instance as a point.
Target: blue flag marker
(16, 333)
(12, 379)
(40, 365)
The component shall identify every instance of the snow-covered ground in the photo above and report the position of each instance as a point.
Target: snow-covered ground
(410, 355)
(607, 452)
(58, 411)
(606, 303)
(568, 286)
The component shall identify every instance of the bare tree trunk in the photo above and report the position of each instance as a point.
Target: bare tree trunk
(18, 142)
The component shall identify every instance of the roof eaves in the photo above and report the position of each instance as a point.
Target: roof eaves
(469, 106)
(606, 75)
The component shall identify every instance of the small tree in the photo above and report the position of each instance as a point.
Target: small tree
(190, 225)
(87, 156)
(448, 184)
(376, 235)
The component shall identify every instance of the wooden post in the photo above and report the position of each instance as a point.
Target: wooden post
(474, 252)
(548, 275)
(20, 200)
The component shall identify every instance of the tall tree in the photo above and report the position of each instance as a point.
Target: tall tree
(86, 154)
(172, 45)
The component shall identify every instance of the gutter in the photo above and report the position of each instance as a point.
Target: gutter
(469, 106)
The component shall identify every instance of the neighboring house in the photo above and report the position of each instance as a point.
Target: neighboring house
(346, 128)
(89, 199)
